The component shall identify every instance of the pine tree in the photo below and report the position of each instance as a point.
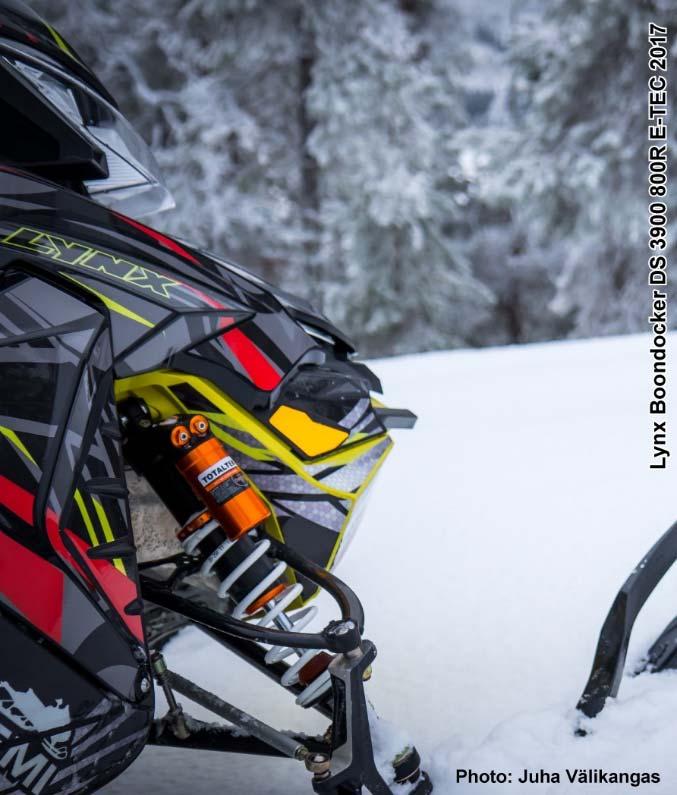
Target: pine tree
(521, 275)
(391, 210)
(576, 169)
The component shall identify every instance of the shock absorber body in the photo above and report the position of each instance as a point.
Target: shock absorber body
(221, 517)
(231, 510)
(216, 479)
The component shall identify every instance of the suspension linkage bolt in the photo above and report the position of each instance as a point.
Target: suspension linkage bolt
(342, 628)
(176, 718)
(319, 765)
(343, 636)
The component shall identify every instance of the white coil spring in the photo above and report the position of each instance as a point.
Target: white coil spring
(276, 614)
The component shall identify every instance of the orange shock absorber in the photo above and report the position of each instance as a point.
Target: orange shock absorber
(251, 579)
(218, 531)
(216, 479)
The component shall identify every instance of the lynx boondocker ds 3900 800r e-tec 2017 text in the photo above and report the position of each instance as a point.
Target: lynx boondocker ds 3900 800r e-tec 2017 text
(238, 404)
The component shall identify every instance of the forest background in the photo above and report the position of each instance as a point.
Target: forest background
(430, 173)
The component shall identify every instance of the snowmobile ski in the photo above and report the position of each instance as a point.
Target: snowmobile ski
(612, 647)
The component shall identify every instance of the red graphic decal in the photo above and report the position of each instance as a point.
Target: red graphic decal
(258, 368)
(252, 359)
(28, 582)
(163, 240)
(119, 588)
(35, 586)
(32, 585)
(52, 525)
(20, 502)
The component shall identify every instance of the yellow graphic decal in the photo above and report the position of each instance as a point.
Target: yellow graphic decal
(86, 518)
(108, 533)
(14, 439)
(60, 43)
(70, 252)
(111, 304)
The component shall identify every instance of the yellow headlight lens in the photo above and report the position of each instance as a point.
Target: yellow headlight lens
(307, 434)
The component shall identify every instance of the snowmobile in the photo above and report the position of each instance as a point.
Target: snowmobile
(612, 647)
(240, 405)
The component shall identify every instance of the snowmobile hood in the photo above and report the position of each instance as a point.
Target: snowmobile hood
(173, 307)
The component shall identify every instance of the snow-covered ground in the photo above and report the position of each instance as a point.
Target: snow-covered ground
(497, 536)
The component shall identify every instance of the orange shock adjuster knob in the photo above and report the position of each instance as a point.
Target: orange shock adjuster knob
(180, 436)
(199, 425)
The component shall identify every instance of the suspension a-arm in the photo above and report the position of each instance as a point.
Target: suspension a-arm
(343, 761)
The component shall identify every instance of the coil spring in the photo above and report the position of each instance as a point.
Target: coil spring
(275, 610)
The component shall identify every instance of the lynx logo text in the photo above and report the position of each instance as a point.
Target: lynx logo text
(74, 253)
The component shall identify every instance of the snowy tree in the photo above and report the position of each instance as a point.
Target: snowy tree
(574, 171)
(520, 273)
(391, 210)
